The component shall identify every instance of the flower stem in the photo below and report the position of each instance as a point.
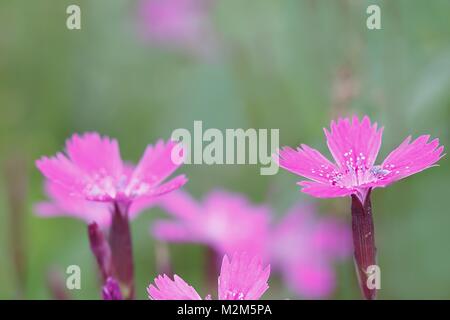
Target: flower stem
(101, 250)
(363, 242)
(212, 268)
(122, 249)
(111, 290)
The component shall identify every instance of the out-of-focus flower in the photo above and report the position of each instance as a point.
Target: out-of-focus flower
(226, 222)
(93, 170)
(111, 290)
(354, 145)
(242, 278)
(178, 24)
(56, 284)
(303, 247)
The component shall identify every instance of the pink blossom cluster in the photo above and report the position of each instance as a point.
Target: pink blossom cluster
(302, 246)
(91, 182)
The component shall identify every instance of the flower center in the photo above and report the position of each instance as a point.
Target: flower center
(355, 171)
(102, 186)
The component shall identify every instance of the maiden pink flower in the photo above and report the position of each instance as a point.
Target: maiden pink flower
(226, 222)
(304, 248)
(354, 145)
(242, 278)
(93, 170)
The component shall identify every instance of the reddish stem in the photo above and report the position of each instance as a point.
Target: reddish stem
(122, 249)
(363, 242)
(101, 250)
(111, 290)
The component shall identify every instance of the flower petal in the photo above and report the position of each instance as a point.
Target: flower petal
(169, 186)
(168, 289)
(355, 141)
(321, 190)
(231, 223)
(410, 158)
(93, 168)
(172, 231)
(306, 162)
(63, 203)
(227, 222)
(95, 154)
(141, 204)
(180, 204)
(61, 171)
(333, 238)
(310, 280)
(156, 164)
(243, 278)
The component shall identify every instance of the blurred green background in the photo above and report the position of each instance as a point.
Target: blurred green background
(287, 64)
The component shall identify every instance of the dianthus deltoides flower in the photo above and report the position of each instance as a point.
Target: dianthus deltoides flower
(92, 171)
(242, 278)
(354, 145)
(304, 246)
(225, 222)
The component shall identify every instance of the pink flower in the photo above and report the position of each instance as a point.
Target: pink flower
(178, 23)
(354, 145)
(92, 182)
(242, 278)
(93, 170)
(304, 247)
(225, 221)
(167, 289)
